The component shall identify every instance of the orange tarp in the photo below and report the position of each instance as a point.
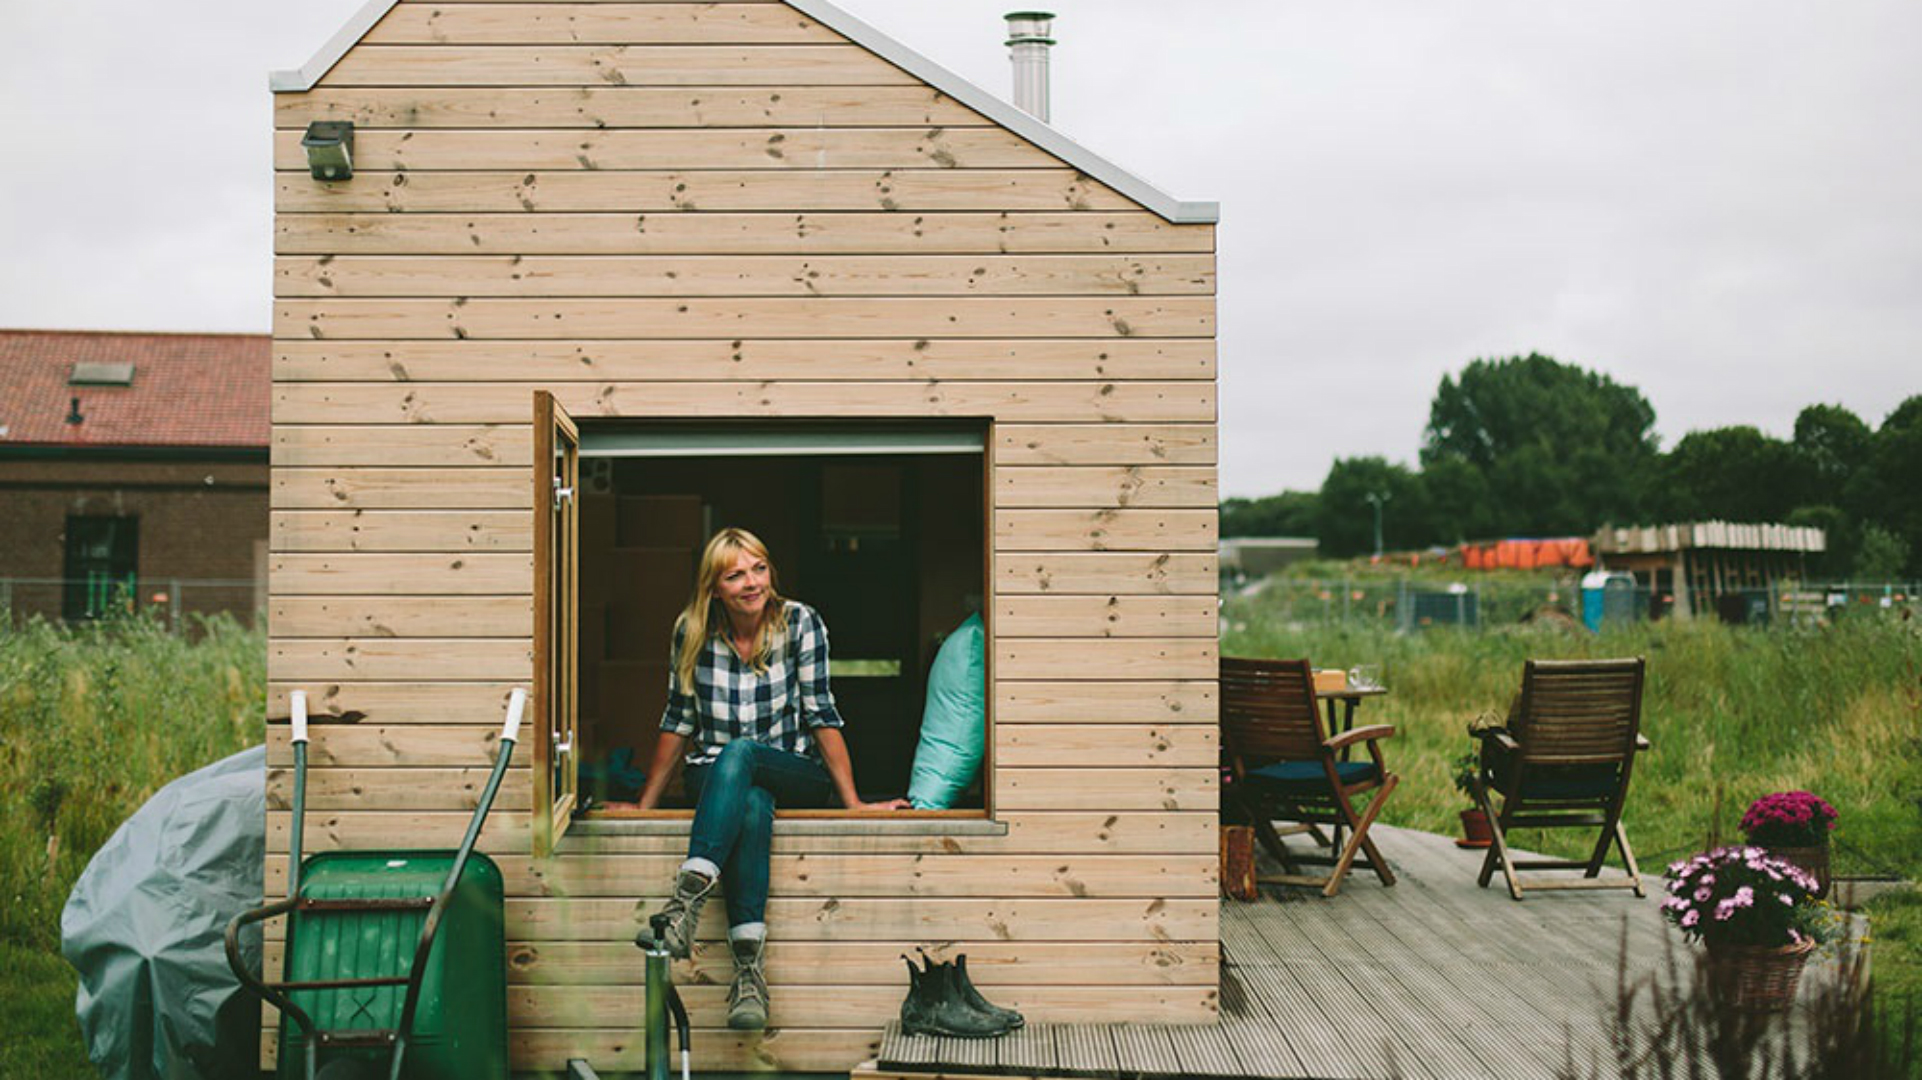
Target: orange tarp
(1571, 551)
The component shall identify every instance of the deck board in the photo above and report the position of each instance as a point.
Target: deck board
(1433, 978)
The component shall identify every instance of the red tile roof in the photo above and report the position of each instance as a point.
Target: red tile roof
(188, 389)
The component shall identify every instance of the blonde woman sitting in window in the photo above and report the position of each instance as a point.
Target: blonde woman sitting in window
(750, 712)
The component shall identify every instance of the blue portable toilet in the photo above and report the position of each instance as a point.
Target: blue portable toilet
(1607, 595)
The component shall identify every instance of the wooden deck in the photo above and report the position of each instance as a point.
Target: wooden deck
(1434, 978)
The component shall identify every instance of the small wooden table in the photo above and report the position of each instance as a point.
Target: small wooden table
(1341, 707)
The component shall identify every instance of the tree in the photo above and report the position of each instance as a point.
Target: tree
(1346, 518)
(1885, 489)
(1833, 442)
(1459, 502)
(1883, 556)
(1731, 474)
(1562, 450)
(1291, 513)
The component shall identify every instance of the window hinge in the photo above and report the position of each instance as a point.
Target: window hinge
(562, 494)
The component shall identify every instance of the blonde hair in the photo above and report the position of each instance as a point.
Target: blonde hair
(703, 617)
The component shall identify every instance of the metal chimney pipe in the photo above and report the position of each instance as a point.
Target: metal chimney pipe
(1028, 45)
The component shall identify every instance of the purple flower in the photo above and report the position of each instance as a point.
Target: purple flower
(1691, 917)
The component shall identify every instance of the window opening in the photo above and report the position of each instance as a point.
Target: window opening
(880, 528)
(102, 565)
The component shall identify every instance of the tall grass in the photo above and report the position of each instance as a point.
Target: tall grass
(93, 721)
(1732, 712)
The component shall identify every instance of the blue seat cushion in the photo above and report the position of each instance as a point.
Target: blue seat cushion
(1290, 776)
(1557, 784)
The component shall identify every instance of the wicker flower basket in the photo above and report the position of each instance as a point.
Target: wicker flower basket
(1757, 978)
(1814, 859)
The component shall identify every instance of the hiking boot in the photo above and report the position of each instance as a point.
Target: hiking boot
(965, 986)
(935, 1007)
(683, 911)
(747, 999)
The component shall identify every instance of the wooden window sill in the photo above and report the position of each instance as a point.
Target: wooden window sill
(800, 823)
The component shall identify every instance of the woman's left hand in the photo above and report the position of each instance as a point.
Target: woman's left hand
(880, 807)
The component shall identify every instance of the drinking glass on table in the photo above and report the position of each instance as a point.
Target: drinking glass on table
(1364, 677)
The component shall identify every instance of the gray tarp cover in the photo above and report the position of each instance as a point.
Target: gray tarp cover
(146, 925)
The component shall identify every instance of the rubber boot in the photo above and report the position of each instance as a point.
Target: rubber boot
(683, 911)
(935, 1007)
(916, 1015)
(973, 997)
(747, 999)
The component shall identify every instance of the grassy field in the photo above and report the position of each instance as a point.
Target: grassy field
(93, 722)
(1733, 713)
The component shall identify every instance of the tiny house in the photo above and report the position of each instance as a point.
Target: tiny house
(609, 275)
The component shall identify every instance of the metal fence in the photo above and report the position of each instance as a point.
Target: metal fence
(176, 602)
(1421, 604)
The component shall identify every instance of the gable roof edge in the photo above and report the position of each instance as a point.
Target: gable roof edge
(1091, 164)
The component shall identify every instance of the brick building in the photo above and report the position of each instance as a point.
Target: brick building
(133, 472)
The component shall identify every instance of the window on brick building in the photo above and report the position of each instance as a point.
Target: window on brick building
(102, 560)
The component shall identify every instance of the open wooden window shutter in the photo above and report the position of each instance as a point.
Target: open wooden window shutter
(557, 474)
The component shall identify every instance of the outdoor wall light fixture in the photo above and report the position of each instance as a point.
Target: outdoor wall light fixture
(330, 149)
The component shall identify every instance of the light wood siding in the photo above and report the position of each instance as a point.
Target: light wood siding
(694, 209)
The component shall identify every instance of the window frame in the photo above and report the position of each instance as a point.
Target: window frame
(551, 821)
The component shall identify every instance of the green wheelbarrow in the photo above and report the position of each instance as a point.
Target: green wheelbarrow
(395, 960)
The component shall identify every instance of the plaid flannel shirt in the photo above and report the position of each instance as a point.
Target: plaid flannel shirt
(731, 700)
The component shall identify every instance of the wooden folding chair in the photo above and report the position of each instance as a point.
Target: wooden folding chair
(1286, 768)
(1564, 761)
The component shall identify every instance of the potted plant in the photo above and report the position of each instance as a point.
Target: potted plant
(1756, 917)
(1794, 826)
(1475, 830)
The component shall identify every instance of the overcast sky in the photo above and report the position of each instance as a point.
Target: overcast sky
(1719, 203)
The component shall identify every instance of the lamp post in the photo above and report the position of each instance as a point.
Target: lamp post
(1376, 498)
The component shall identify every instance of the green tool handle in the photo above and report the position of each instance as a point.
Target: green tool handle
(516, 703)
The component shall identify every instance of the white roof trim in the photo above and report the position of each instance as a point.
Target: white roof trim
(1179, 211)
(304, 77)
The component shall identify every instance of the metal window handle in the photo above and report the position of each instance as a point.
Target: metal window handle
(562, 747)
(562, 495)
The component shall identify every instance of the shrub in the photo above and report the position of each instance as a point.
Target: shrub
(1789, 819)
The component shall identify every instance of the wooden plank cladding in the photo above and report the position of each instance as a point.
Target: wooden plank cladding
(834, 317)
(864, 875)
(605, 106)
(358, 574)
(598, 24)
(376, 530)
(398, 658)
(614, 65)
(733, 211)
(723, 148)
(400, 616)
(315, 488)
(1144, 486)
(494, 403)
(1106, 530)
(990, 963)
(478, 445)
(1030, 832)
(379, 276)
(891, 191)
(853, 360)
(400, 530)
(721, 233)
(1105, 573)
(1056, 617)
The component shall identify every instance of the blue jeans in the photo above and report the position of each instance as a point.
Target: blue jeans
(734, 816)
